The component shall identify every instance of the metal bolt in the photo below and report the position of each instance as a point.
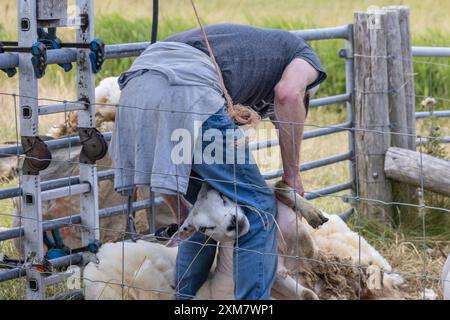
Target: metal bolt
(342, 53)
(33, 285)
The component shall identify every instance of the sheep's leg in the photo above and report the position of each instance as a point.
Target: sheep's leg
(303, 207)
(286, 287)
(295, 236)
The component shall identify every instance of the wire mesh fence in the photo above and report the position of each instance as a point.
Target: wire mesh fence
(73, 220)
(127, 278)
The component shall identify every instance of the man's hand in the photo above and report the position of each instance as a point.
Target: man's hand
(296, 184)
(300, 205)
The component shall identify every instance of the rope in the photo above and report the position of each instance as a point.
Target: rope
(243, 115)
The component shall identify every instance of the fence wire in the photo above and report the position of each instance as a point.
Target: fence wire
(124, 234)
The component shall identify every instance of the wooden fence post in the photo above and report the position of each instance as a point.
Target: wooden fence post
(408, 72)
(399, 108)
(372, 133)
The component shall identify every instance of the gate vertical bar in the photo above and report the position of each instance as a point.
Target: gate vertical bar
(349, 85)
(86, 119)
(31, 209)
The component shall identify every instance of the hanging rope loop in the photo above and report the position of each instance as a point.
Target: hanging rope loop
(243, 115)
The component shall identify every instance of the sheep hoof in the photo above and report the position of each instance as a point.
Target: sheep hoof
(315, 218)
(312, 215)
(308, 295)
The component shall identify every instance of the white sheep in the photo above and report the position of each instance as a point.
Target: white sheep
(108, 91)
(151, 265)
(102, 280)
(219, 285)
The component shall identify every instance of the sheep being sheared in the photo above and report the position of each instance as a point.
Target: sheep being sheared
(318, 270)
(224, 225)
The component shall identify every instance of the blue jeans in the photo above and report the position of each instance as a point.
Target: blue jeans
(254, 257)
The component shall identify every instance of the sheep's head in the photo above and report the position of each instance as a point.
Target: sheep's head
(216, 216)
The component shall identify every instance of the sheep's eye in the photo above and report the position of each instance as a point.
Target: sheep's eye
(203, 229)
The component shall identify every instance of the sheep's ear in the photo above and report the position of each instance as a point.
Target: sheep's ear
(203, 190)
(178, 237)
(185, 231)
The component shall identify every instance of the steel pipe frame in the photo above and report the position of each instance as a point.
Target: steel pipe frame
(328, 190)
(115, 51)
(144, 204)
(72, 190)
(61, 107)
(349, 90)
(75, 140)
(307, 135)
(65, 261)
(134, 49)
(437, 114)
(437, 52)
(325, 101)
(17, 232)
(77, 294)
(312, 165)
(72, 141)
(78, 257)
(53, 184)
(426, 140)
(12, 274)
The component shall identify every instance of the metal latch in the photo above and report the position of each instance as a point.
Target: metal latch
(97, 54)
(94, 145)
(38, 156)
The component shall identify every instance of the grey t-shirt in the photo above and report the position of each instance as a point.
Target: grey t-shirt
(252, 60)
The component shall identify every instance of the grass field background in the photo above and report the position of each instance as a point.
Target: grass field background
(120, 21)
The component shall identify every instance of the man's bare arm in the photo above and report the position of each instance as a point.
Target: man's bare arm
(290, 113)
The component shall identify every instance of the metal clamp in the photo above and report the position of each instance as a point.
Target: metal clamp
(93, 247)
(39, 58)
(51, 41)
(38, 156)
(94, 145)
(55, 246)
(97, 54)
(46, 40)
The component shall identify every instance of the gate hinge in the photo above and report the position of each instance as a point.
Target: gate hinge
(38, 156)
(94, 145)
